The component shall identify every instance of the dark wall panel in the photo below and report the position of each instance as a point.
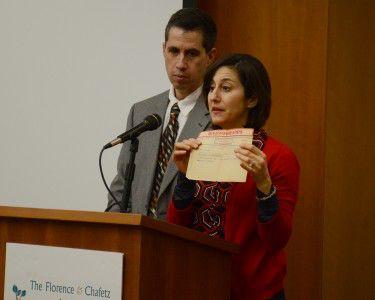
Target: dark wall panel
(349, 227)
(290, 38)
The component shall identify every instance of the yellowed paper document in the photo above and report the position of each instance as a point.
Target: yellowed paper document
(215, 159)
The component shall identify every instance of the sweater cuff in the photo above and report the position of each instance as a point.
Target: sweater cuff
(268, 205)
(183, 192)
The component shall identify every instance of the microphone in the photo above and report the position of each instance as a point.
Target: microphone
(151, 122)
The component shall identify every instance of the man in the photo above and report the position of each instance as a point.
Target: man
(188, 50)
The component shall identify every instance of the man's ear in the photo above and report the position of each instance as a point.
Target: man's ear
(252, 102)
(211, 56)
(163, 47)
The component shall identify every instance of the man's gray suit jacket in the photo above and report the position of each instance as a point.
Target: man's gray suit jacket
(146, 158)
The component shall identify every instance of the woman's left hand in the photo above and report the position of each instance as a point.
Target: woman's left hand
(254, 161)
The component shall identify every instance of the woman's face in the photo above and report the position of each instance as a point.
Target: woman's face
(226, 100)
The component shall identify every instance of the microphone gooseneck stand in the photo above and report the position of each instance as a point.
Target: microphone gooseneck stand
(128, 178)
(151, 122)
(129, 175)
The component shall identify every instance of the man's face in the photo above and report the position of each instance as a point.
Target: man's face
(186, 60)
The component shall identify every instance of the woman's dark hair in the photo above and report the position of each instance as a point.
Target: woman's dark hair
(254, 78)
(194, 19)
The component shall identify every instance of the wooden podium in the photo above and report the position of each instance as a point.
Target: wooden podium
(162, 260)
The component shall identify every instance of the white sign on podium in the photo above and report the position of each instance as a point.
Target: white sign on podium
(44, 272)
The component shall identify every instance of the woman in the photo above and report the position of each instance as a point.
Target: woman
(256, 214)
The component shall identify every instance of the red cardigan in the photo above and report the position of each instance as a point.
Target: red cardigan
(260, 267)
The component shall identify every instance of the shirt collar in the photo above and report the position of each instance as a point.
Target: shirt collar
(186, 104)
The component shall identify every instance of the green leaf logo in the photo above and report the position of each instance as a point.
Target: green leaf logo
(19, 293)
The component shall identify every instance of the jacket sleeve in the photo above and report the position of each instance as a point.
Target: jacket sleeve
(180, 209)
(181, 217)
(117, 184)
(284, 172)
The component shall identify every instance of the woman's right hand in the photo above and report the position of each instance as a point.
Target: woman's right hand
(182, 151)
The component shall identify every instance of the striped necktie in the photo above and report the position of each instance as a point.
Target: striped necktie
(165, 150)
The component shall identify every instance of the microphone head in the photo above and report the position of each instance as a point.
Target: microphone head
(153, 121)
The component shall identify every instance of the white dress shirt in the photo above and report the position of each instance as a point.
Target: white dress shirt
(185, 105)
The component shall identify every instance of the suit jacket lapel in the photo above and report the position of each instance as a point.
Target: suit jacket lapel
(159, 107)
(197, 121)
(147, 158)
